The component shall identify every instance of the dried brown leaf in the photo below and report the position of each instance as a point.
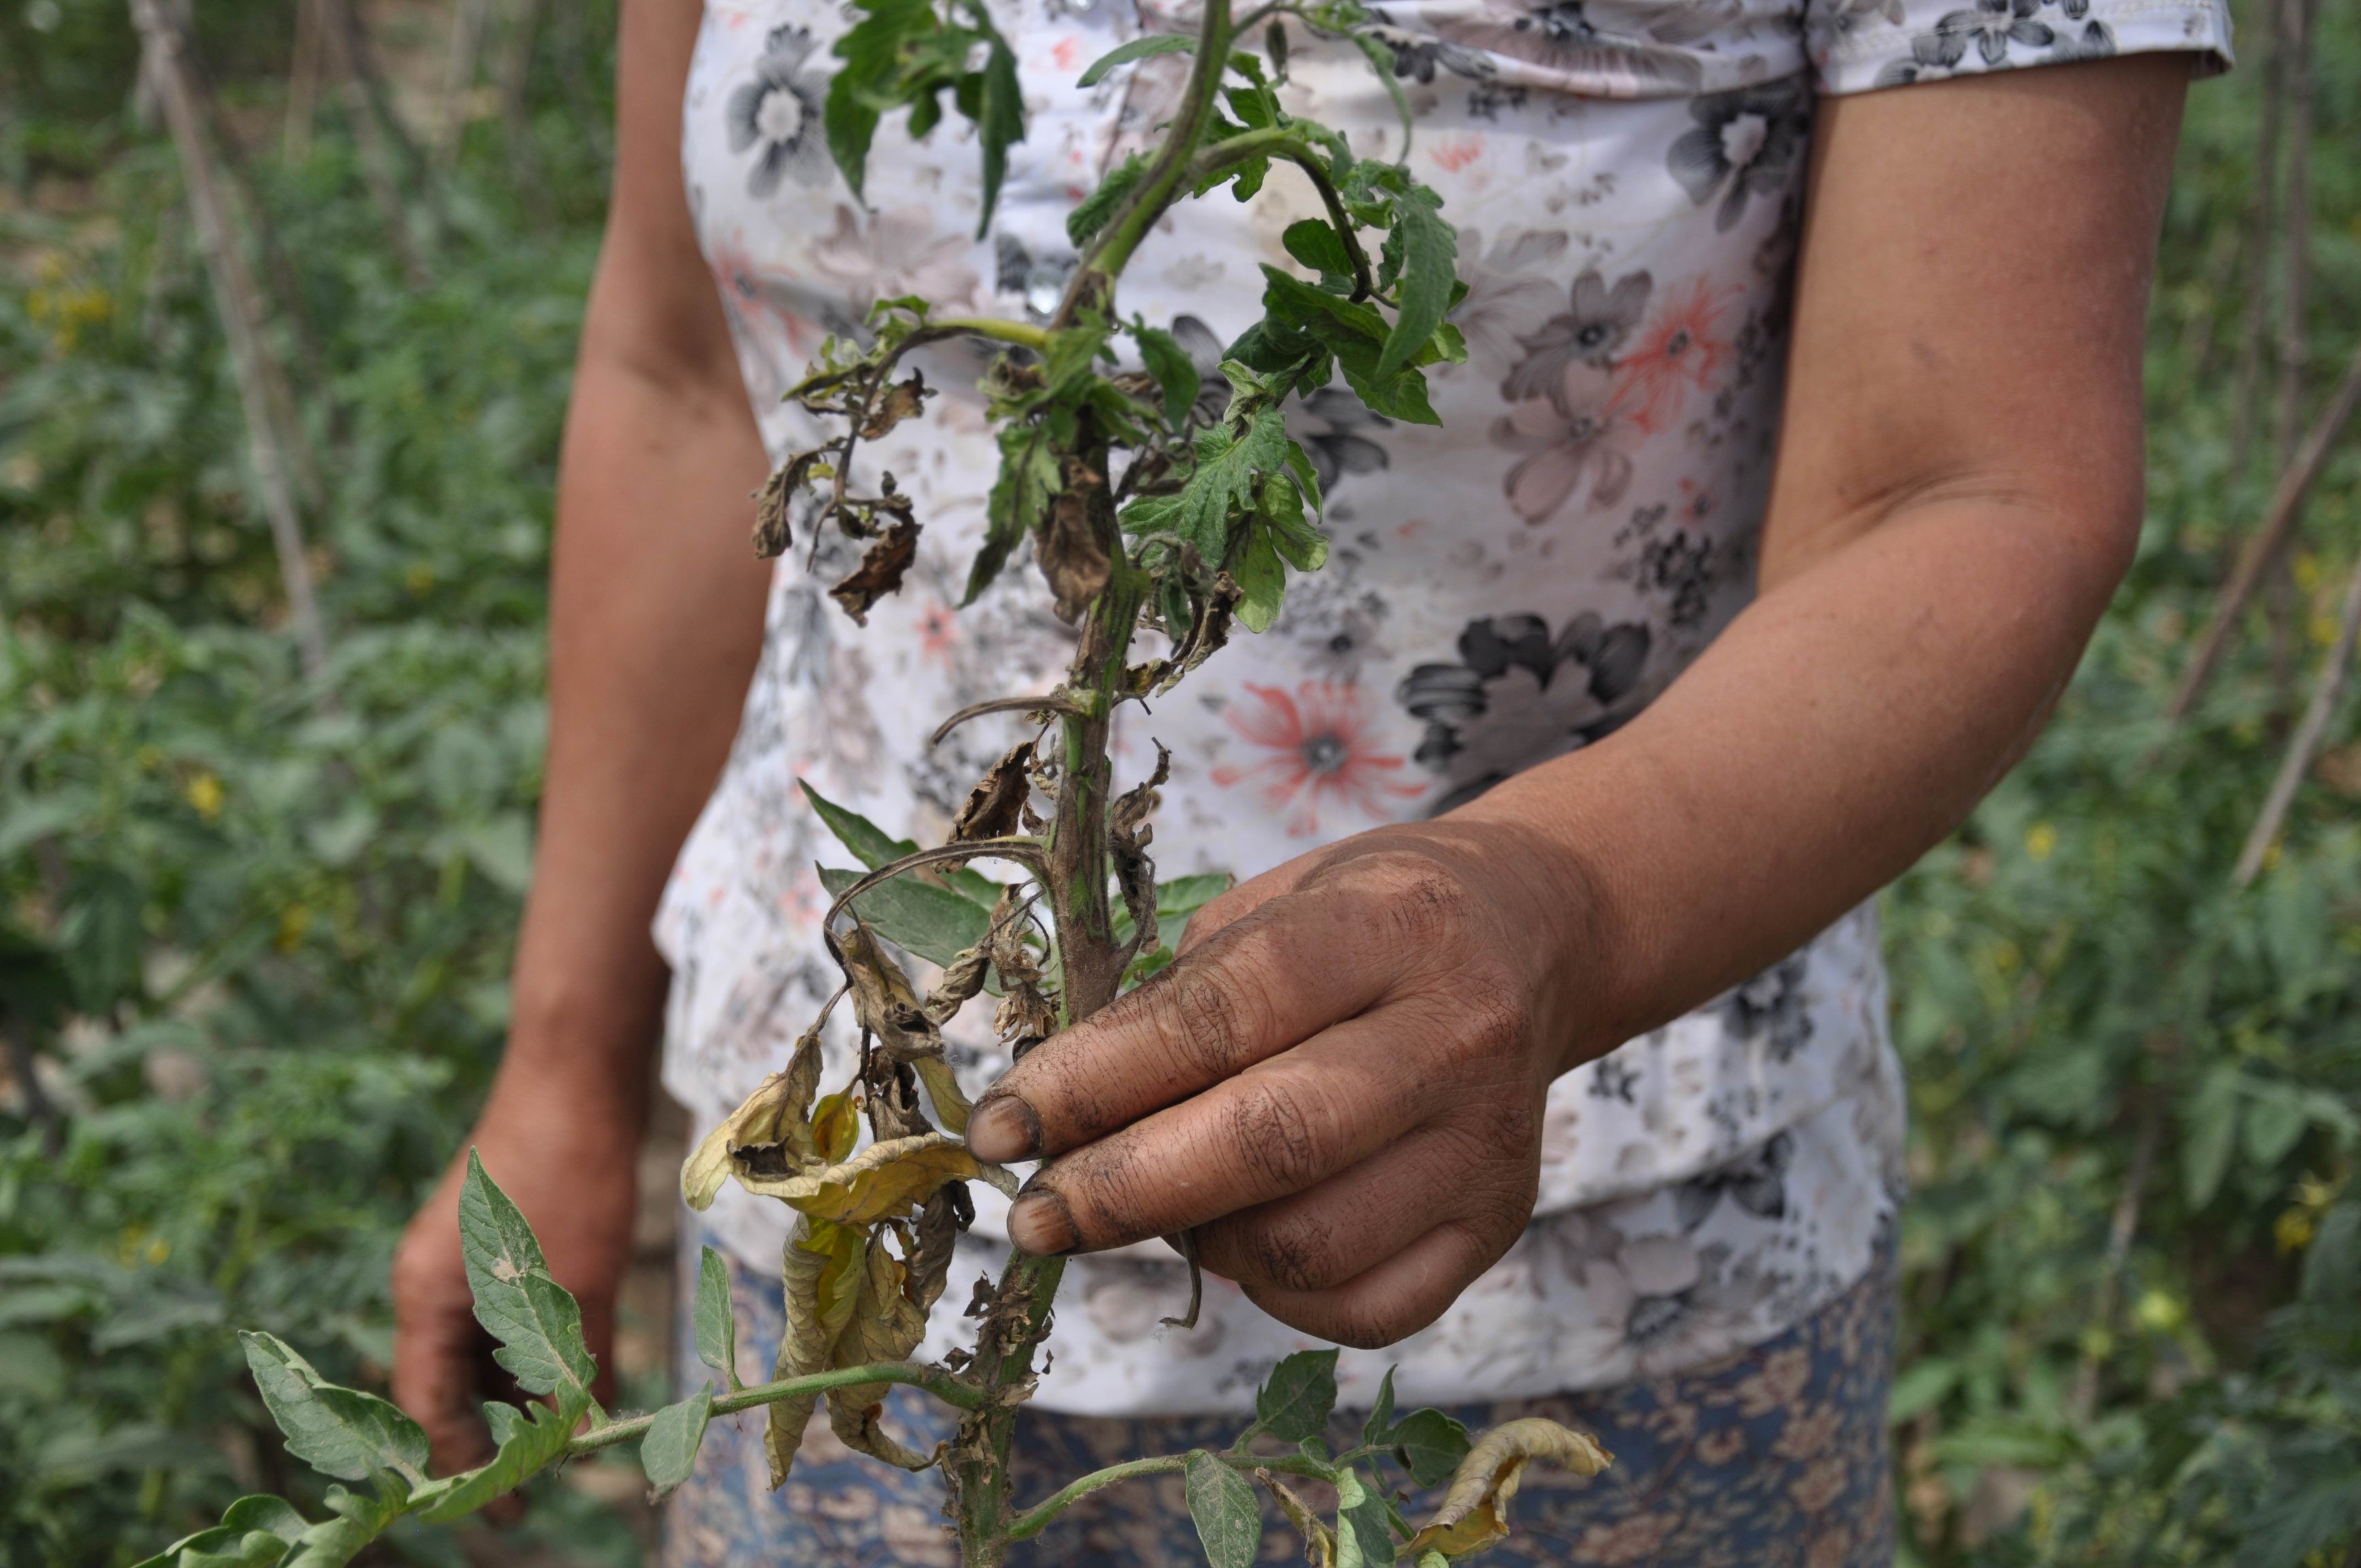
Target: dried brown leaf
(880, 572)
(882, 1181)
(777, 499)
(901, 399)
(883, 1000)
(1319, 1541)
(996, 803)
(770, 1127)
(1071, 555)
(1475, 1511)
(962, 978)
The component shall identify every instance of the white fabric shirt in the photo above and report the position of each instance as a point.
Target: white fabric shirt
(1627, 180)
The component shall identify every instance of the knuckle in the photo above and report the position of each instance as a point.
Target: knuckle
(1106, 1200)
(1204, 1022)
(1428, 905)
(1292, 1255)
(1277, 1135)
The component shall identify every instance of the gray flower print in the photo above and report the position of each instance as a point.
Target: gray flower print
(779, 112)
(1682, 566)
(1600, 319)
(1518, 697)
(1572, 441)
(1756, 1182)
(1746, 143)
(1577, 38)
(1336, 444)
(1510, 294)
(1772, 1007)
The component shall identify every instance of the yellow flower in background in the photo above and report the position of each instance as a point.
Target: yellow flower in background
(2321, 629)
(2159, 1312)
(294, 922)
(205, 793)
(2040, 841)
(136, 1244)
(2293, 1230)
(419, 579)
(64, 307)
(2306, 571)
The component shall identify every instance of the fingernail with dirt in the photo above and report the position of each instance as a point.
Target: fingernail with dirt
(1039, 1224)
(1004, 1128)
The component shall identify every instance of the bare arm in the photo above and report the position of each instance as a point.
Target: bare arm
(655, 624)
(1341, 1085)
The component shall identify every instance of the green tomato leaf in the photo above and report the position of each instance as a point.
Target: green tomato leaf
(717, 1325)
(1228, 470)
(1028, 477)
(1429, 1445)
(1315, 243)
(1175, 372)
(1382, 61)
(1223, 1505)
(338, 1431)
(2210, 1127)
(1429, 251)
(1262, 581)
(256, 1531)
(1364, 1536)
(1146, 47)
(870, 50)
(359, 1521)
(529, 1441)
(871, 844)
(1381, 1415)
(669, 1451)
(1099, 207)
(536, 1319)
(1001, 122)
(1305, 547)
(932, 922)
(1294, 1403)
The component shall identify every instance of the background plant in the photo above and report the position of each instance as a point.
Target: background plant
(2073, 962)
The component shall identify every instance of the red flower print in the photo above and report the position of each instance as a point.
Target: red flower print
(937, 630)
(1455, 153)
(1321, 751)
(1677, 353)
(756, 299)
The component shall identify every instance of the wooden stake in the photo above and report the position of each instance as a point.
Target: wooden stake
(2257, 326)
(303, 83)
(341, 30)
(2287, 504)
(2327, 694)
(469, 20)
(238, 305)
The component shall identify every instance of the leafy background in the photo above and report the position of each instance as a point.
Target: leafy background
(257, 948)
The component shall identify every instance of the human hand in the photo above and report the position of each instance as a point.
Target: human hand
(572, 1171)
(1338, 1085)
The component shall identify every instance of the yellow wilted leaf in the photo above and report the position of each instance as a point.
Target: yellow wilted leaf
(887, 1325)
(882, 1181)
(836, 1126)
(1475, 1511)
(773, 1118)
(942, 1087)
(820, 1276)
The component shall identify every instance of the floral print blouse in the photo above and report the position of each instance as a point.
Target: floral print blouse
(1627, 181)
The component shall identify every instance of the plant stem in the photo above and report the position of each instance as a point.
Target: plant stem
(950, 1390)
(1035, 1519)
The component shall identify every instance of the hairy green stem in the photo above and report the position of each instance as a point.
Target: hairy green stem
(942, 1384)
(1285, 142)
(1035, 1519)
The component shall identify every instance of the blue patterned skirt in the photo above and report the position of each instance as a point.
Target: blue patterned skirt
(1774, 1458)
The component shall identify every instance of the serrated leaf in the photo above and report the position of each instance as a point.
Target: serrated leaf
(1001, 122)
(529, 1440)
(1429, 1445)
(1147, 48)
(1262, 581)
(1381, 1414)
(333, 1542)
(338, 1431)
(1228, 470)
(1305, 547)
(869, 50)
(1430, 269)
(1363, 1538)
(933, 921)
(1222, 1505)
(1294, 1402)
(1355, 334)
(535, 1319)
(1176, 373)
(254, 1531)
(668, 1454)
(1315, 243)
(717, 1325)
(1096, 210)
(1028, 477)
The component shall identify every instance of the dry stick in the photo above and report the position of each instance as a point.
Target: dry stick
(2267, 159)
(236, 301)
(2295, 262)
(516, 104)
(2287, 502)
(2120, 1229)
(469, 22)
(341, 29)
(2327, 692)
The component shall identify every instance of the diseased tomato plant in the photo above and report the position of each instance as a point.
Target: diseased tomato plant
(1142, 520)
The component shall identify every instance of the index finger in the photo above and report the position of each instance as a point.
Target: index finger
(1273, 978)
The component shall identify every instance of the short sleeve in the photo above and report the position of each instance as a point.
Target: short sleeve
(1857, 45)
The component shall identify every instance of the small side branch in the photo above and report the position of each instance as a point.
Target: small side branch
(1035, 1519)
(1282, 142)
(950, 1390)
(1024, 851)
(2327, 696)
(1055, 702)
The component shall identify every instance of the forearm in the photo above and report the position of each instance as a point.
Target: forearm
(1841, 725)
(655, 625)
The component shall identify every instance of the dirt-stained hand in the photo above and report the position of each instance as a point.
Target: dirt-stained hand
(1338, 1085)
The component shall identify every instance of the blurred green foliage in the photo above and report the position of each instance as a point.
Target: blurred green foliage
(260, 939)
